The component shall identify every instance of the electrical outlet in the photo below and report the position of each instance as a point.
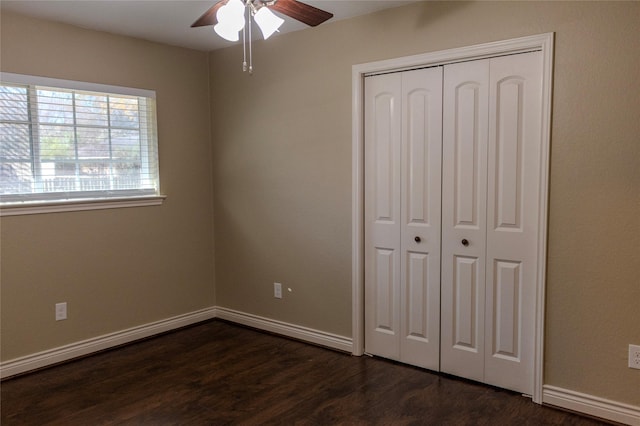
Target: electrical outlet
(277, 290)
(634, 356)
(61, 311)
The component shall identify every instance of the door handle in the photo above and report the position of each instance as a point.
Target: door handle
(417, 239)
(465, 242)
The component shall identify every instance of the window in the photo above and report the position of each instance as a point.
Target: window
(70, 141)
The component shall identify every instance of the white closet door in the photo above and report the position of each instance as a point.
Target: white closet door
(403, 128)
(464, 189)
(512, 224)
(452, 196)
(420, 239)
(382, 137)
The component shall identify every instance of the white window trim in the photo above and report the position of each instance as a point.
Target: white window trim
(80, 204)
(75, 85)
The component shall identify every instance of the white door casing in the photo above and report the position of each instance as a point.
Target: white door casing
(542, 43)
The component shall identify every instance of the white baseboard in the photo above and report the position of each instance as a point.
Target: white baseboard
(591, 405)
(96, 344)
(286, 329)
(552, 395)
(74, 350)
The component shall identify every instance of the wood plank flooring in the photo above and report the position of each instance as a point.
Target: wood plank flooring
(217, 373)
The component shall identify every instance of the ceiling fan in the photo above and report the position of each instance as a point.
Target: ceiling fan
(295, 9)
(228, 18)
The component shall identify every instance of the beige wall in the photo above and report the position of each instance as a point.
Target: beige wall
(282, 172)
(119, 268)
(281, 157)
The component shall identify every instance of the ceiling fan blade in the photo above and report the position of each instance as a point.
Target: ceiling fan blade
(209, 17)
(302, 12)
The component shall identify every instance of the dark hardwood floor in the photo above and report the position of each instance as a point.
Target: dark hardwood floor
(218, 373)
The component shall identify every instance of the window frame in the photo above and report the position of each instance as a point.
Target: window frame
(44, 202)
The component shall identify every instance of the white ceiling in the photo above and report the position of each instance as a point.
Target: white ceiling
(169, 21)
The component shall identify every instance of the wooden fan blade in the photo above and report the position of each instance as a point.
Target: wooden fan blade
(209, 17)
(302, 12)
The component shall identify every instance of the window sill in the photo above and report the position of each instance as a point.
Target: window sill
(39, 207)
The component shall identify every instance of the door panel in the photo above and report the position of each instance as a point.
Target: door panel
(382, 214)
(466, 297)
(467, 137)
(384, 319)
(420, 241)
(417, 297)
(464, 177)
(507, 299)
(513, 206)
(385, 139)
(508, 153)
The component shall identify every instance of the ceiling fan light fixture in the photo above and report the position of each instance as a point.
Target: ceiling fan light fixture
(267, 21)
(229, 17)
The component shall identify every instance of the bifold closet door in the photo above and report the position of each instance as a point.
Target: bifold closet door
(490, 209)
(403, 136)
(452, 175)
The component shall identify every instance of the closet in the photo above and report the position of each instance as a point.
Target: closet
(451, 213)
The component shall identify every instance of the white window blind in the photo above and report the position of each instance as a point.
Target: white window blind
(66, 140)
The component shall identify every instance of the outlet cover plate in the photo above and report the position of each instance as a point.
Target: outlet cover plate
(277, 290)
(634, 356)
(61, 311)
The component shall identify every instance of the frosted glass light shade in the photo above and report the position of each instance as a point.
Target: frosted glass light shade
(267, 21)
(235, 12)
(237, 6)
(226, 32)
(230, 20)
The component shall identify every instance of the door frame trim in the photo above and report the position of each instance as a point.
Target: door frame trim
(541, 42)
